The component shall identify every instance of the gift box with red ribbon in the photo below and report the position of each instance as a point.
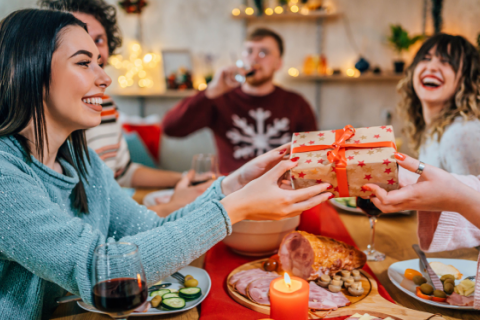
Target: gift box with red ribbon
(347, 159)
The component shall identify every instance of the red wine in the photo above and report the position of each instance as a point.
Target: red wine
(195, 183)
(119, 295)
(368, 207)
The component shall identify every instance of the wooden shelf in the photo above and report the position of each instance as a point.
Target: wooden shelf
(139, 93)
(391, 77)
(315, 15)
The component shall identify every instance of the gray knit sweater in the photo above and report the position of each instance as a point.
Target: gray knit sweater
(46, 247)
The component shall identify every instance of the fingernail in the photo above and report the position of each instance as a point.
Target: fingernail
(331, 197)
(330, 187)
(400, 156)
(367, 188)
(282, 151)
(295, 159)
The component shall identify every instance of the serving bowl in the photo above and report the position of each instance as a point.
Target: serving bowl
(259, 238)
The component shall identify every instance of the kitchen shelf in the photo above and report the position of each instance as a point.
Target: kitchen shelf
(315, 15)
(370, 77)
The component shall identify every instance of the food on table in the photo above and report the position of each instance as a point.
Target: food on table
(457, 300)
(308, 256)
(356, 289)
(449, 281)
(337, 277)
(190, 293)
(173, 303)
(366, 316)
(334, 288)
(465, 288)
(191, 283)
(258, 289)
(446, 277)
(156, 301)
(242, 284)
(426, 289)
(348, 282)
(187, 277)
(439, 294)
(270, 265)
(245, 273)
(324, 280)
(419, 280)
(321, 299)
(160, 292)
(170, 295)
(345, 273)
(442, 269)
(410, 273)
(356, 275)
(348, 201)
(448, 287)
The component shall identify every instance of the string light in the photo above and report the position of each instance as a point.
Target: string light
(202, 86)
(236, 12)
(293, 72)
(278, 10)
(350, 72)
(249, 11)
(269, 11)
(294, 9)
(135, 67)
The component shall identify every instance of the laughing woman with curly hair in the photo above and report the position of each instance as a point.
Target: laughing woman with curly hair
(440, 103)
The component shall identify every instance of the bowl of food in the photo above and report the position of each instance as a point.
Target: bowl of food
(259, 238)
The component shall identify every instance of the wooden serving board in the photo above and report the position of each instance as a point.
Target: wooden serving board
(370, 302)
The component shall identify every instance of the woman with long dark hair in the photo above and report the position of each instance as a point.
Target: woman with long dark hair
(441, 106)
(58, 200)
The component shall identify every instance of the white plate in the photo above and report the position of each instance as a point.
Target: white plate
(163, 196)
(359, 211)
(204, 283)
(396, 274)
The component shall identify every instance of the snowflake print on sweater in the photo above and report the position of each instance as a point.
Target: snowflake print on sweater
(253, 141)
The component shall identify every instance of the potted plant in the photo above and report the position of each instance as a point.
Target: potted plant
(401, 41)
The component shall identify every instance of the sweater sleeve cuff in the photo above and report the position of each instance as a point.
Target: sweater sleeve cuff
(217, 188)
(439, 238)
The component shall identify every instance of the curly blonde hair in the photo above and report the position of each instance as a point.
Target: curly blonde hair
(464, 58)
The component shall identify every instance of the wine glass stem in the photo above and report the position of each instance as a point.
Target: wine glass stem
(373, 222)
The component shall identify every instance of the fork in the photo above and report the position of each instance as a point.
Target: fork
(470, 278)
(179, 277)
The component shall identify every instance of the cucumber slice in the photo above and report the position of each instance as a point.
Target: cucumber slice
(170, 295)
(173, 303)
(190, 293)
(160, 292)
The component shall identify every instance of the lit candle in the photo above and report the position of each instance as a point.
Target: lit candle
(289, 298)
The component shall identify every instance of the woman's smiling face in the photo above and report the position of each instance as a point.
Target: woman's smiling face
(434, 80)
(78, 82)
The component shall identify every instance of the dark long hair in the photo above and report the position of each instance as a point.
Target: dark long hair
(465, 60)
(28, 39)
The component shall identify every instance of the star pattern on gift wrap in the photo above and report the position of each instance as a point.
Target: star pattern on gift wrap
(388, 170)
(377, 136)
(363, 137)
(318, 155)
(356, 141)
(294, 141)
(296, 134)
(320, 161)
(302, 136)
(378, 150)
(321, 134)
(387, 162)
(356, 153)
(335, 189)
(319, 181)
(351, 170)
(321, 139)
(391, 181)
(389, 130)
(301, 175)
(392, 157)
(368, 170)
(302, 145)
(313, 171)
(308, 161)
(383, 127)
(368, 177)
(350, 157)
(310, 155)
(370, 152)
(361, 163)
(311, 142)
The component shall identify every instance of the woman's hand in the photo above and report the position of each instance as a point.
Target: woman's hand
(264, 199)
(435, 190)
(254, 169)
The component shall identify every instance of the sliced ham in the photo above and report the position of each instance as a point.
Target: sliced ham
(243, 273)
(309, 256)
(244, 281)
(322, 299)
(457, 300)
(257, 290)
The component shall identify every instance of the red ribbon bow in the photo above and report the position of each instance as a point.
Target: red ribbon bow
(337, 155)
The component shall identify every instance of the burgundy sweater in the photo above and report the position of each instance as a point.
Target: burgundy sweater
(244, 126)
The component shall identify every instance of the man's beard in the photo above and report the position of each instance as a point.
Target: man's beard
(258, 82)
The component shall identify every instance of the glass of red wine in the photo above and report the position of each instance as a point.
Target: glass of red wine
(205, 167)
(372, 212)
(118, 279)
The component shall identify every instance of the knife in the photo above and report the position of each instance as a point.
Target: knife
(77, 298)
(427, 270)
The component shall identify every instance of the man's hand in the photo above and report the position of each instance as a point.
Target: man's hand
(223, 81)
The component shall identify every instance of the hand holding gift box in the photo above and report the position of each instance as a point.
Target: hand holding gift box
(347, 159)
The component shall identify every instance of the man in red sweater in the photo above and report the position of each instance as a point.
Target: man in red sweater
(247, 118)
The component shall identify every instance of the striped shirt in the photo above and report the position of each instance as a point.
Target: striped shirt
(108, 142)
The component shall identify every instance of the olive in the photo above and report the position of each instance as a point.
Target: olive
(426, 289)
(156, 301)
(191, 283)
(448, 287)
(270, 265)
(188, 277)
(449, 280)
(439, 294)
(419, 280)
(447, 276)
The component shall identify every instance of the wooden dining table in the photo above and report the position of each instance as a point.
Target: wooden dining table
(395, 235)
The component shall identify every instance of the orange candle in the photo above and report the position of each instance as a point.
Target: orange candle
(289, 298)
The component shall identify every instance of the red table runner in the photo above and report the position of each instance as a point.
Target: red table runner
(220, 261)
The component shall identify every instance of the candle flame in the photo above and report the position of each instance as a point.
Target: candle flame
(288, 281)
(139, 279)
